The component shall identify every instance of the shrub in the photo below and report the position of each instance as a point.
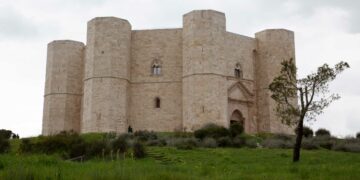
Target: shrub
(156, 142)
(120, 144)
(322, 132)
(224, 141)
(96, 148)
(183, 134)
(358, 135)
(5, 134)
(284, 137)
(209, 143)
(26, 146)
(347, 147)
(77, 149)
(251, 143)
(236, 129)
(324, 141)
(4, 145)
(139, 150)
(145, 135)
(211, 130)
(309, 144)
(308, 132)
(238, 141)
(277, 143)
(186, 143)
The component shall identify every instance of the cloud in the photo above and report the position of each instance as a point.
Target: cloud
(15, 25)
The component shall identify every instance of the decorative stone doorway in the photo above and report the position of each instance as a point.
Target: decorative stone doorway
(237, 117)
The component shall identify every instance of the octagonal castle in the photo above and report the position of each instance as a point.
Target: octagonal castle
(164, 79)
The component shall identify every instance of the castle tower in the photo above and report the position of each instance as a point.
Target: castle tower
(63, 87)
(204, 80)
(273, 47)
(107, 75)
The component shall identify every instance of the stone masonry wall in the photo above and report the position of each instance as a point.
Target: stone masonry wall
(164, 45)
(63, 87)
(107, 76)
(273, 47)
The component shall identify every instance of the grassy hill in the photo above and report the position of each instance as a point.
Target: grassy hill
(199, 163)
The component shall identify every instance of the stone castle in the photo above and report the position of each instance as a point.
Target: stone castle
(164, 79)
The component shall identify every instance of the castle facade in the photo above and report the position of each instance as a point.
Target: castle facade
(164, 79)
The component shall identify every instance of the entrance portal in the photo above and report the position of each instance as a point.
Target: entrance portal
(237, 117)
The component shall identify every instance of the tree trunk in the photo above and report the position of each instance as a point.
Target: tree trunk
(299, 135)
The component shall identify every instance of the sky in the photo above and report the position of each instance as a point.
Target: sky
(326, 31)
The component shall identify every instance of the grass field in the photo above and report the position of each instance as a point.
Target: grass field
(200, 163)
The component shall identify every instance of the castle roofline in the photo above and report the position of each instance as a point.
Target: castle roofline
(108, 17)
(204, 10)
(66, 41)
(272, 30)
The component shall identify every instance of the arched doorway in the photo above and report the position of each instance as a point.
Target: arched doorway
(237, 117)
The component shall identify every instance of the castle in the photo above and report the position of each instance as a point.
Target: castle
(164, 79)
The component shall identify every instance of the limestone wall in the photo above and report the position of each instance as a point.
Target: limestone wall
(164, 45)
(107, 76)
(273, 47)
(204, 64)
(239, 49)
(63, 87)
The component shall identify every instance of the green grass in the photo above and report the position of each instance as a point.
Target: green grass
(170, 163)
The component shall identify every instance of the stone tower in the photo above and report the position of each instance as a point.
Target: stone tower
(63, 87)
(204, 82)
(107, 75)
(273, 47)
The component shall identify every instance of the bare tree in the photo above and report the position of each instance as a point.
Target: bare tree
(311, 92)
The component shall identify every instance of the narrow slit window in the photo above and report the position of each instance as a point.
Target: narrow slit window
(237, 71)
(157, 102)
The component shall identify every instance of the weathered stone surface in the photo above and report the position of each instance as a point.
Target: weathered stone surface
(113, 87)
(63, 87)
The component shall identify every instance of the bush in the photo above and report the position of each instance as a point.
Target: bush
(348, 147)
(120, 144)
(309, 144)
(5, 134)
(209, 143)
(236, 129)
(308, 132)
(77, 149)
(4, 145)
(224, 141)
(358, 135)
(277, 143)
(211, 130)
(186, 143)
(156, 142)
(145, 135)
(96, 148)
(26, 146)
(324, 141)
(322, 132)
(284, 137)
(251, 143)
(238, 141)
(139, 150)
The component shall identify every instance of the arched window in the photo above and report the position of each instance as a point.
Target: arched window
(156, 67)
(157, 102)
(238, 71)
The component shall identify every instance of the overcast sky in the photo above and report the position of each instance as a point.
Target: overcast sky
(326, 31)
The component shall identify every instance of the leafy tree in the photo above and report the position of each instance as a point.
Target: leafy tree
(358, 135)
(322, 132)
(307, 132)
(311, 92)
